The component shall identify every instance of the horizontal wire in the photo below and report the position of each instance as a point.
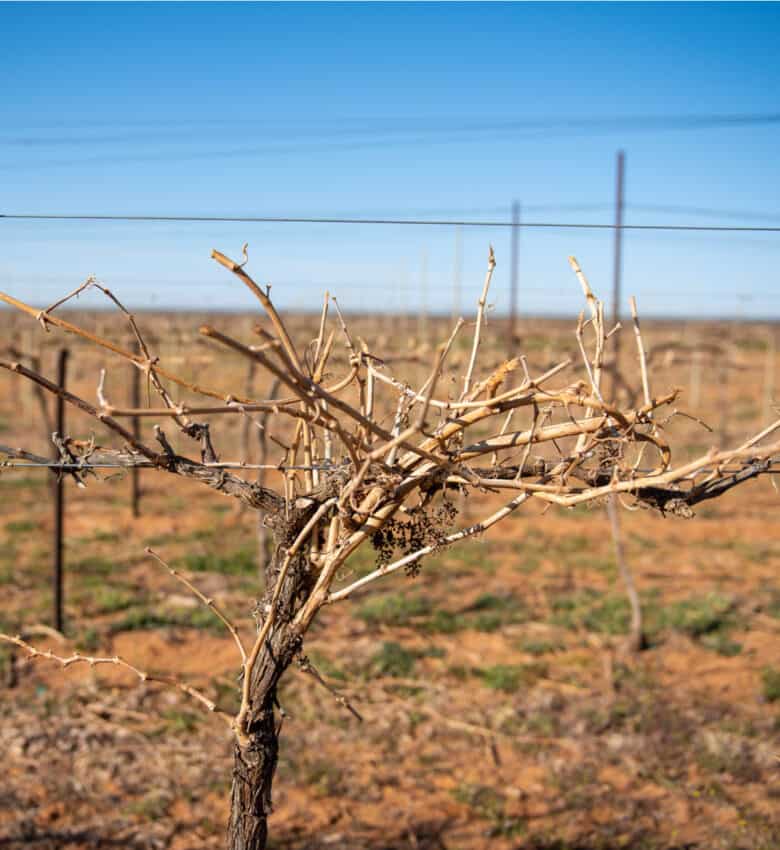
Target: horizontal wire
(444, 125)
(150, 465)
(85, 467)
(709, 212)
(390, 221)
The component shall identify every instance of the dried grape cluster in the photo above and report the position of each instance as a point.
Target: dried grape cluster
(422, 526)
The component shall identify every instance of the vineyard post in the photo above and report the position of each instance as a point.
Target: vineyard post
(769, 373)
(135, 402)
(59, 498)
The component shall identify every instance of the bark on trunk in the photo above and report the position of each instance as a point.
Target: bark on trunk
(255, 763)
(250, 797)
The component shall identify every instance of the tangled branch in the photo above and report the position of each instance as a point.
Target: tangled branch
(347, 478)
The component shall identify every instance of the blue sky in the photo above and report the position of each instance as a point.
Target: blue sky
(442, 110)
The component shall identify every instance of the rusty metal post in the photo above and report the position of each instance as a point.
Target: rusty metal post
(59, 499)
(135, 403)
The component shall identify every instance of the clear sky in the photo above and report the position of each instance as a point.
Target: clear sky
(401, 110)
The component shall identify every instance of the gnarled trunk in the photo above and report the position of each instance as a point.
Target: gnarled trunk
(253, 773)
(255, 762)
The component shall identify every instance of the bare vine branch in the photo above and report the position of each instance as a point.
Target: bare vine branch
(362, 463)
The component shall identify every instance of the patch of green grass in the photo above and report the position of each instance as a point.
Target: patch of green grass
(770, 682)
(721, 643)
(491, 612)
(701, 615)
(21, 526)
(751, 343)
(89, 583)
(143, 618)
(445, 622)
(593, 611)
(493, 602)
(705, 618)
(568, 609)
(202, 618)
(488, 613)
(393, 660)
(93, 565)
(611, 616)
(106, 600)
(201, 534)
(510, 677)
(394, 609)
(160, 540)
(606, 613)
(102, 536)
(9, 555)
(433, 652)
(240, 562)
(488, 622)
(11, 481)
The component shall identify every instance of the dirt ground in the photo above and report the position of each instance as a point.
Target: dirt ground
(500, 706)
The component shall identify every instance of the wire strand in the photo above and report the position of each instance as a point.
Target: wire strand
(149, 465)
(719, 228)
